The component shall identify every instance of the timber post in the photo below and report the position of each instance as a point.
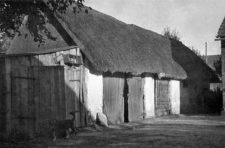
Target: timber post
(223, 74)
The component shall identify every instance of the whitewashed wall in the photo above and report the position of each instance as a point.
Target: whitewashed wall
(94, 85)
(175, 96)
(149, 97)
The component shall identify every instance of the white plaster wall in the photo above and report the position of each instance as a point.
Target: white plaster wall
(149, 97)
(175, 96)
(94, 85)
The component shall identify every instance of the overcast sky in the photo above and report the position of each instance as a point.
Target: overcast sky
(197, 21)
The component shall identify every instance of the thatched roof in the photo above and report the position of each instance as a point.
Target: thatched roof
(24, 44)
(221, 31)
(211, 59)
(194, 66)
(112, 45)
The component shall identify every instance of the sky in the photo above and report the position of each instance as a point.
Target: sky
(197, 21)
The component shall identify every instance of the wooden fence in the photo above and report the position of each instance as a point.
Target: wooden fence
(42, 93)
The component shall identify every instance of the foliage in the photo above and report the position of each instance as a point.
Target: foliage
(171, 34)
(12, 13)
(213, 100)
(197, 52)
(218, 67)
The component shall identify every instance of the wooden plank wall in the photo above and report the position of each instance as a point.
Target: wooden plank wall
(73, 94)
(32, 101)
(135, 98)
(223, 69)
(3, 93)
(113, 102)
(41, 60)
(162, 100)
(42, 89)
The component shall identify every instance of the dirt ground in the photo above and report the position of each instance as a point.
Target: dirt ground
(167, 132)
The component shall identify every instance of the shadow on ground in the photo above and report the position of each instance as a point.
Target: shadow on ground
(170, 132)
(177, 131)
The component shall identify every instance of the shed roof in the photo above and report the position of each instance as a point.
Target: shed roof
(221, 31)
(111, 45)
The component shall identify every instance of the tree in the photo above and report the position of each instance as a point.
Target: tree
(12, 13)
(218, 66)
(171, 34)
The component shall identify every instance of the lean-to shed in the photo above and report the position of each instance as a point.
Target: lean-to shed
(96, 64)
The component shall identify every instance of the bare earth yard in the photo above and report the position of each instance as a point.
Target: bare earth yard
(167, 132)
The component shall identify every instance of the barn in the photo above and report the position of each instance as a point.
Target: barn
(95, 64)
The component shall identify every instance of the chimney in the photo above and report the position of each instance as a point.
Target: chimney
(206, 52)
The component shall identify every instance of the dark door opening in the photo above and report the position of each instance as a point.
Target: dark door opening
(125, 96)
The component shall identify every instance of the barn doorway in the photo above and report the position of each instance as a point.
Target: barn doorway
(162, 100)
(135, 98)
(125, 96)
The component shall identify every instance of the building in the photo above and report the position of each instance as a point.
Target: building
(95, 64)
(199, 78)
(221, 37)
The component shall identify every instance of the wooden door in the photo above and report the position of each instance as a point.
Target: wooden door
(162, 101)
(22, 110)
(135, 99)
(73, 95)
(113, 102)
(38, 94)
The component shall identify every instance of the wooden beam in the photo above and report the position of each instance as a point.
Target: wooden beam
(23, 78)
(219, 39)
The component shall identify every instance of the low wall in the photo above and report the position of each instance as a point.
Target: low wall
(175, 96)
(149, 97)
(94, 85)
